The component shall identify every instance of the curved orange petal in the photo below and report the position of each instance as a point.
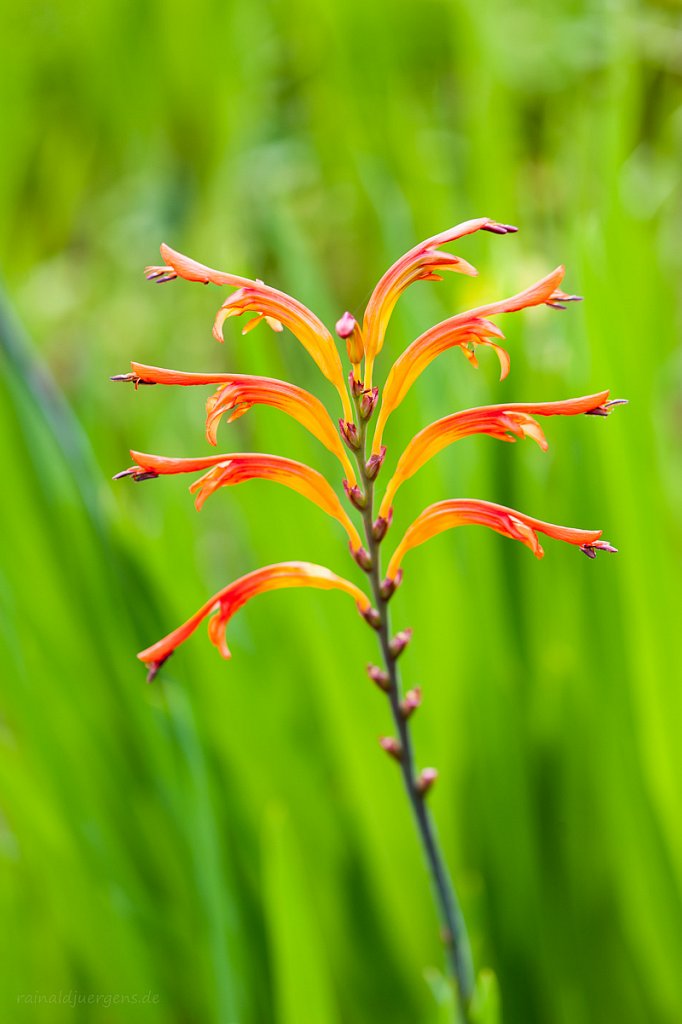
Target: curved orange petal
(505, 422)
(226, 602)
(271, 304)
(467, 329)
(238, 392)
(237, 468)
(421, 263)
(445, 515)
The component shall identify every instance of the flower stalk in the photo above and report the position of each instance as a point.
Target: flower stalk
(363, 404)
(401, 747)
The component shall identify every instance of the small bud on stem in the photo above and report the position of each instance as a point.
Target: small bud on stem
(389, 586)
(374, 463)
(426, 779)
(367, 403)
(349, 433)
(411, 702)
(392, 747)
(355, 495)
(363, 558)
(371, 616)
(399, 642)
(379, 677)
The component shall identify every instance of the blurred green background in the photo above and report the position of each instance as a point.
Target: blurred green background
(229, 845)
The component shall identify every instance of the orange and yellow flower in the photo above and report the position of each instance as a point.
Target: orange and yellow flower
(238, 392)
(446, 515)
(466, 330)
(505, 422)
(223, 605)
(236, 468)
(422, 263)
(272, 305)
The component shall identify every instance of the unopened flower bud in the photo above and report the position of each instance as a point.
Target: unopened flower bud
(400, 642)
(392, 747)
(379, 677)
(411, 702)
(349, 432)
(356, 386)
(363, 558)
(380, 528)
(375, 462)
(355, 495)
(368, 403)
(426, 779)
(371, 615)
(348, 329)
(389, 586)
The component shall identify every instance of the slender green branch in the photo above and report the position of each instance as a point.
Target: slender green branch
(452, 922)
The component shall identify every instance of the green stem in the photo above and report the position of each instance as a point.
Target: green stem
(453, 927)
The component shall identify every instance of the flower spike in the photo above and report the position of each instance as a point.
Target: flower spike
(422, 263)
(238, 392)
(270, 304)
(445, 515)
(227, 470)
(465, 330)
(226, 602)
(505, 422)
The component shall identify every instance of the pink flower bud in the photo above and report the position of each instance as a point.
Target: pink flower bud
(392, 747)
(411, 702)
(355, 495)
(426, 779)
(379, 677)
(400, 642)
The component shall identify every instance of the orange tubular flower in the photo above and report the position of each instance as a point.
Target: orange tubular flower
(226, 470)
(464, 330)
(272, 305)
(226, 602)
(238, 392)
(505, 422)
(445, 515)
(422, 263)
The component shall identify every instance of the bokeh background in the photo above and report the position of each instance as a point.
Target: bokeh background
(229, 845)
